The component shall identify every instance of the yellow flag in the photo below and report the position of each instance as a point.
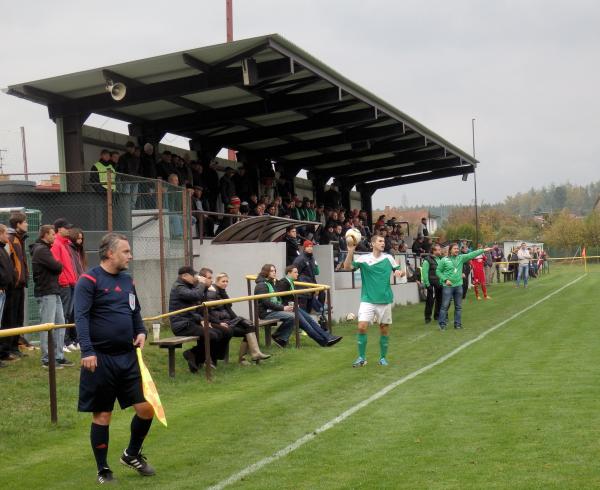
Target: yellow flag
(150, 391)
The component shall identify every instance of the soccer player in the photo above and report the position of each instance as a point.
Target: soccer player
(110, 327)
(479, 278)
(376, 296)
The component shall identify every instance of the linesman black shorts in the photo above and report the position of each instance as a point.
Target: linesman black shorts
(117, 377)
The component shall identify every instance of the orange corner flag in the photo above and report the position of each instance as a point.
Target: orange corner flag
(150, 391)
(583, 253)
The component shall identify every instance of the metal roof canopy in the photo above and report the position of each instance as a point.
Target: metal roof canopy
(292, 110)
(257, 229)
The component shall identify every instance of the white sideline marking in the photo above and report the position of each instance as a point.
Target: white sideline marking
(384, 391)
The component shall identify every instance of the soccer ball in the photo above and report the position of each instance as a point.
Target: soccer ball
(353, 236)
(350, 317)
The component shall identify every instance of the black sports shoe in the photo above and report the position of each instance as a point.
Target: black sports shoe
(458, 326)
(138, 463)
(279, 342)
(64, 362)
(46, 365)
(333, 341)
(105, 476)
(189, 356)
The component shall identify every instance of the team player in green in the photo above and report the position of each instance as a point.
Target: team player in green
(376, 295)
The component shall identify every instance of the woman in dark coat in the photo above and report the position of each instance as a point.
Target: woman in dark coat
(226, 318)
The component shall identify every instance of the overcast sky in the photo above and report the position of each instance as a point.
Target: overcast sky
(527, 70)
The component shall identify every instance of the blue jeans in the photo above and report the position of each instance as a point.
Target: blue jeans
(51, 311)
(2, 302)
(523, 273)
(287, 323)
(312, 328)
(449, 293)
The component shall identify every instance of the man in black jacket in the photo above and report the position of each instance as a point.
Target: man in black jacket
(292, 249)
(430, 280)
(189, 290)
(46, 270)
(7, 280)
(308, 270)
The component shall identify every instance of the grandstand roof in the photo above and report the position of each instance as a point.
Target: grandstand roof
(257, 229)
(291, 108)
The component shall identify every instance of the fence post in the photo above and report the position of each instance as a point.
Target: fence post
(328, 296)
(161, 245)
(207, 358)
(52, 377)
(185, 224)
(296, 322)
(249, 285)
(109, 201)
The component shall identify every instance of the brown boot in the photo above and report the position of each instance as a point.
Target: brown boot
(242, 355)
(255, 352)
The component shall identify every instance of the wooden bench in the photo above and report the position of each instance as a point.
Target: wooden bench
(173, 343)
(267, 325)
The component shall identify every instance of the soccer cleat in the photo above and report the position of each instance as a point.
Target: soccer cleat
(383, 362)
(138, 463)
(478, 298)
(105, 476)
(360, 362)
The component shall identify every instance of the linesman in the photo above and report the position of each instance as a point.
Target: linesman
(109, 326)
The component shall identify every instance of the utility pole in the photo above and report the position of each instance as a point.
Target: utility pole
(24, 147)
(2, 150)
(475, 185)
(229, 20)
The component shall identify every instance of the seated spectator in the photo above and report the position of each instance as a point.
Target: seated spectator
(234, 325)
(305, 321)
(189, 290)
(418, 247)
(273, 308)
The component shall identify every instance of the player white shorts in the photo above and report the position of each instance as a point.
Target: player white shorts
(368, 311)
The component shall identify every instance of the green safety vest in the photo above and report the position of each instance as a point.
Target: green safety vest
(102, 175)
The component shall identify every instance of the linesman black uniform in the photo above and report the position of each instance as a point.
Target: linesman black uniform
(108, 320)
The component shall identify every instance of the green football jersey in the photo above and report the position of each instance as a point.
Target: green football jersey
(375, 274)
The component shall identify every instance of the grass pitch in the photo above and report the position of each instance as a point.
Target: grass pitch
(519, 409)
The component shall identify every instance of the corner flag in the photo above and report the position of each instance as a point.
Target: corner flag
(150, 391)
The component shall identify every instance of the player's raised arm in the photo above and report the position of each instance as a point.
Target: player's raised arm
(349, 257)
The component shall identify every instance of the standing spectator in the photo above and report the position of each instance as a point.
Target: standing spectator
(241, 183)
(227, 186)
(79, 260)
(431, 281)
(110, 327)
(524, 257)
(129, 165)
(418, 246)
(488, 267)
(211, 179)
(332, 197)
(98, 176)
(292, 248)
(449, 273)
(422, 230)
(67, 278)
(163, 167)
(466, 272)
(497, 258)
(273, 308)
(46, 270)
(148, 162)
(190, 290)
(308, 270)
(199, 205)
(6, 282)
(14, 308)
(197, 177)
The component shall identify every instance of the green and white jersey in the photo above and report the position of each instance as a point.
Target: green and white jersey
(375, 273)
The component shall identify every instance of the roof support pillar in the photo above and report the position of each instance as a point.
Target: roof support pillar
(345, 195)
(366, 202)
(70, 151)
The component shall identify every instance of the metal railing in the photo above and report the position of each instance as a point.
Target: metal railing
(48, 327)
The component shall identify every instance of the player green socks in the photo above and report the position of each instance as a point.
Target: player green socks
(383, 345)
(362, 345)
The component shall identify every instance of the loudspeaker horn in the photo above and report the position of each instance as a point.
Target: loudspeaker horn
(116, 90)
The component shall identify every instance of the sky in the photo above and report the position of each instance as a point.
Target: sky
(527, 71)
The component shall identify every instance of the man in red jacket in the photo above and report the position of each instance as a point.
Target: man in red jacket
(68, 277)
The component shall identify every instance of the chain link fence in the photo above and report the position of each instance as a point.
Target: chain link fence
(154, 215)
